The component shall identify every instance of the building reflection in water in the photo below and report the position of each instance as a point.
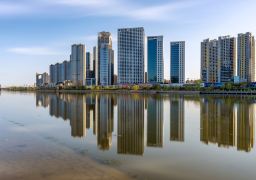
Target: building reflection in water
(84, 112)
(78, 117)
(227, 123)
(155, 122)
(91, 114)
(177, 119)
(42, 100)
(245, 126)
(105, 121)
(130, 138)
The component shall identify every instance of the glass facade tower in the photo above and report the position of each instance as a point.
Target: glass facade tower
(177, 63)
(155, 59)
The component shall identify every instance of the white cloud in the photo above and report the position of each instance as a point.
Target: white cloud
(98, 8)
(86, 3)
(161, 12)
(32, 51)
(12, 9)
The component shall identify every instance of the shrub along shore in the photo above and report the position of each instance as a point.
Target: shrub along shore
(240, 89)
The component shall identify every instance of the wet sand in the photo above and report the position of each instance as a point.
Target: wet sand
(35, 158)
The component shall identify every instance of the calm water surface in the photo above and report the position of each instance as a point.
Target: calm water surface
(51, 136)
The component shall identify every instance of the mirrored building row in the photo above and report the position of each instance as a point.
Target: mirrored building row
(227, 123)
(141, 120)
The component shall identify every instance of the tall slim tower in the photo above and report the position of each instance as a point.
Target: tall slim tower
(177, 74)
(88, 64)
(95, 64)
(155, 59)
(227, 58)
(131, 55)
(105, 59)
(209, 61)
(246, 57)
(78, 64)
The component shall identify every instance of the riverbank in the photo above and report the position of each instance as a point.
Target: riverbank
(125, 91)
(121, 91)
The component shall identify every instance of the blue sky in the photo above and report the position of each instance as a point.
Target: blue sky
(36, 33)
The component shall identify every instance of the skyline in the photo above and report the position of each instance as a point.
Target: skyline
(39, 33)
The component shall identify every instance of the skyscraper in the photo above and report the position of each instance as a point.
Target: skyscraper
(88, 64)
(54, 73)
(105, 59)
(155, 59)
(227, 58)
(131, 55)
(42, 79)
(209, 61)
(95, 64)
(90, 73)
(68, 71)
(177, 62)
(63, 71)
(218, 59)
(78, 64)
(246, 57)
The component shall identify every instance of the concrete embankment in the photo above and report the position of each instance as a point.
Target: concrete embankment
(121, 92)
(235, 93)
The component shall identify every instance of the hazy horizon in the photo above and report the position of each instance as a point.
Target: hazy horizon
(35, 34)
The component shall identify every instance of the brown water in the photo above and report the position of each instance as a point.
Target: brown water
(111, 136)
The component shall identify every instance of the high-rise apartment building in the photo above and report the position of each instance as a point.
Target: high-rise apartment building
(227, 58)
(78, 64)
(177, 62)
(131, 44)
(209, 61)
(105, 59)
(63, 71)
(246, 57)
(68, 71)
(218, 59)
(155, 59)
(51, 70)
(54, 73)
(42, 79)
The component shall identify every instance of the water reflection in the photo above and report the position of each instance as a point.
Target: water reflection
(177, 119)
(155, 122)
(227, 122)
(105, 121)
(245, 126)
(130, 125)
